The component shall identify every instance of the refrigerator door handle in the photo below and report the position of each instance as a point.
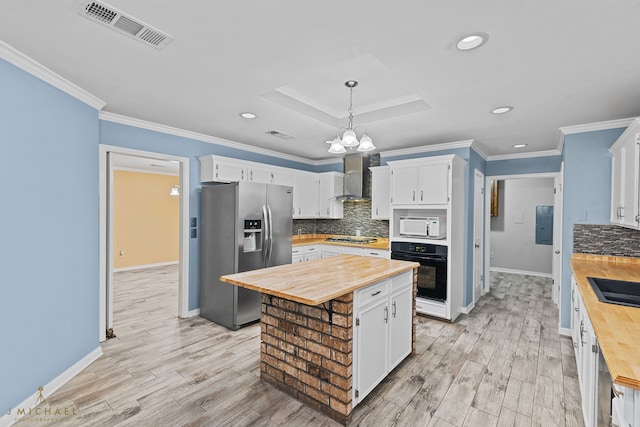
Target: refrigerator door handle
(265, 237)
(270, 233)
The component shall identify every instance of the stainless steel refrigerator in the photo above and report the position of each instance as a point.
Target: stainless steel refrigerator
(243, 226)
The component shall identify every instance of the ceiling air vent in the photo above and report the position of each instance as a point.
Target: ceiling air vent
(278, 134)
(113, 18)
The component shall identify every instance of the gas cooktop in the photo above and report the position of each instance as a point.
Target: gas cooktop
(360, 240)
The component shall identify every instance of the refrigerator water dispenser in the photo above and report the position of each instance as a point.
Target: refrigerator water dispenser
(252, 235)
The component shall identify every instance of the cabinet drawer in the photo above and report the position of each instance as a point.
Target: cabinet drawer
(297, 251)
(310, 249)
(373, 292)
(375, 253)
(404, 280)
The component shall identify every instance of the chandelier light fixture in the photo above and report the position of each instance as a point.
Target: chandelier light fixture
(349, 138)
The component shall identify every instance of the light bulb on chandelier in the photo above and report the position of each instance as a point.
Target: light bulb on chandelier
(349, 138)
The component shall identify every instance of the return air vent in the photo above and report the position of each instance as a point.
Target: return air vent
(113, 18)
(279, 134)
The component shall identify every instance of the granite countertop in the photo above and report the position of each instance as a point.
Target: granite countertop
(316, 239)
(617, 327)
(318, 281)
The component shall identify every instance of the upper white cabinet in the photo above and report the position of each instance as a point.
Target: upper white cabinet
(305, 195)
(380, 192)
(313, 193)
(330, 186)
(420, 184)
(625, 191)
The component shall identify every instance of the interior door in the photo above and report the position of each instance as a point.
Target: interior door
(556, 268)
(478, 235)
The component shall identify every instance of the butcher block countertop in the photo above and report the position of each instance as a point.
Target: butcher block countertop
(617, 327)
(319, 239)
(318, 281)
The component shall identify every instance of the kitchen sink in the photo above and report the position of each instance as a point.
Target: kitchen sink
(616, 291)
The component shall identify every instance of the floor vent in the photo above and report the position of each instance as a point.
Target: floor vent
(114, 19)
(279, 134)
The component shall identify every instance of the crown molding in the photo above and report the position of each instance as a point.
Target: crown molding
(143, 124)
(22, 61)
(591, 127)
(475, 146)
(528, 155)
(428, 148)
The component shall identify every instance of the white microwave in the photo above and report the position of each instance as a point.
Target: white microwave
(414, 226)
(429, 227)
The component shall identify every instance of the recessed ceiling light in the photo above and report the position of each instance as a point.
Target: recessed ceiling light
(247, 115)
(519, 145)
(502, 110)
(472, 41)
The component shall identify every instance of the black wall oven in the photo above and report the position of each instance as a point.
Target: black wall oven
(432, 273)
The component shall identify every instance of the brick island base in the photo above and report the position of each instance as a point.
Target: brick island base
(308, 357)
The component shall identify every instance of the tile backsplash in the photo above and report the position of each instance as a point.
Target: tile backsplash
(356, 216)
(606, 239)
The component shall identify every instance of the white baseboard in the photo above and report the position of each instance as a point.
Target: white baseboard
(564, 332)
(140, 267)
(527, 273)
(467, 309)
(193, 313)
(32, 401)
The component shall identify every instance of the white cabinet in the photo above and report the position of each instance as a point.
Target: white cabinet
(401, 315)
(383, 315)
(426, 184)
(376, 253)
(380, 192)
(434, 187)
(625, 188)
(350, 250)
(329, 187)
(222, 169)
(305, 195)
(305, 253)
(329, 251)
(282, 177)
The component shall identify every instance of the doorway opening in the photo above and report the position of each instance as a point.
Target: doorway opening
(516, 243)
(120, 164)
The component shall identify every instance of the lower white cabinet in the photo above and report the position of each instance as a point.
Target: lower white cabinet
(376, 253)
(625, 405)
(304, 253)
(329, 251)
(383, 315)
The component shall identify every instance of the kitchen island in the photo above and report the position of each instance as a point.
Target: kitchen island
(333, 328)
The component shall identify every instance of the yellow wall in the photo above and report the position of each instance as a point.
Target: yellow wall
(146, 219)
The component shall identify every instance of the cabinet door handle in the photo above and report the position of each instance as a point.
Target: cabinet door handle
(376, 211)
(581, 332)
(242, 175)
(386, 314)
(373, 294)
(414, 195)
(393, 311)
(421, 194)
(327, 211)
(251, 175)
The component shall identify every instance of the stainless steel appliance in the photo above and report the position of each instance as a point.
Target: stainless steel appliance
(244, 226)
(432, 273)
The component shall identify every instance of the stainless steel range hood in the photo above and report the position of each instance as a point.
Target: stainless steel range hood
(357, 178)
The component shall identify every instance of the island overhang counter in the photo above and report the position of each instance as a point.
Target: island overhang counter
(333, 328)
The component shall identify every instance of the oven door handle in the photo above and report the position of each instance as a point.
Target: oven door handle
(417, 258)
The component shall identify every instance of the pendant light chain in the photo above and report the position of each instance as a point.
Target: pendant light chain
(350, 107)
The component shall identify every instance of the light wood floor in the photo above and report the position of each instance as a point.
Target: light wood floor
(502, 365)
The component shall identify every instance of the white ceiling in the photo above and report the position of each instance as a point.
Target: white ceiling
(142, 164)
(559, 63)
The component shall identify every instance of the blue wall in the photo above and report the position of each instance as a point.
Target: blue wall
(587, 195)
(49, 229)
(147, 140)
(525, 165)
